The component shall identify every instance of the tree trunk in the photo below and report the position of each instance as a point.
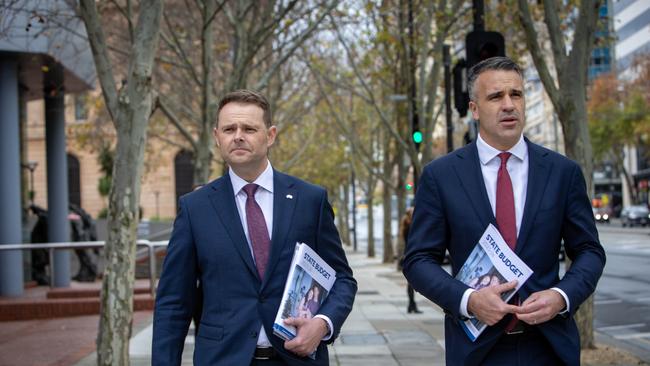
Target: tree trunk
(203, 154)
(388, 256)
(130, 109)
(119, 273)
(345, 214)
(371, 217)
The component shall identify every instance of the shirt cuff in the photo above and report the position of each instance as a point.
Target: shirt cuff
(329, 326)
(566, 300)
(463, 303)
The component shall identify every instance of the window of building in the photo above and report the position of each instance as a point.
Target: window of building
(81, 106)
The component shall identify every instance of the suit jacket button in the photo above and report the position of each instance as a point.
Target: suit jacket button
(262, 298)
(253, 334)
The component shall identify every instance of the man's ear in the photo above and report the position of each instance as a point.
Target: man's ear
(272, 133)
(473, 107)
(214, 135)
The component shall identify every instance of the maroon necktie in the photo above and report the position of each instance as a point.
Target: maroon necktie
(257, 231)
(506, 219)
(505, 207)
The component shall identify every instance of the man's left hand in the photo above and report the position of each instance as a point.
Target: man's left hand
(540, 307)
(310, 332)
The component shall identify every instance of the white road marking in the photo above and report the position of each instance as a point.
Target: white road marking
(608, 302)
(617, 327)
(633, 335)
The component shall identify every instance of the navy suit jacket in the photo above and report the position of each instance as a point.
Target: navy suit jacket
(208, 244)
(452, 210)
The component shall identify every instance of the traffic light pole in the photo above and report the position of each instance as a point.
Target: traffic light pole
(413, 111)
(354, 209)
(479, 15)
(450, 128)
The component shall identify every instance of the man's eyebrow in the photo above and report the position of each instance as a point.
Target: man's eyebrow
(495, 94)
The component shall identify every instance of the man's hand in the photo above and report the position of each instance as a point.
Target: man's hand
(309, 334)
(540, 307)
(486, 304)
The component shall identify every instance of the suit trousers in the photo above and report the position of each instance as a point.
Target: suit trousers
(272, 362)
(526, 349)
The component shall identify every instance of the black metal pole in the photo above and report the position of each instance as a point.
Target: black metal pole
(450, 128)
(413, 105)
(479, 15)
(354, 211)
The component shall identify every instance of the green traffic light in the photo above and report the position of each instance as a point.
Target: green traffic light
(409, 186)
(417, 137)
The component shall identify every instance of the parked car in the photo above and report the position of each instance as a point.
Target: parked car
(601, 214)
(635, 215)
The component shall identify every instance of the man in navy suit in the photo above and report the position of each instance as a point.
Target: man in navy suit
(536, 198)
(236, 237)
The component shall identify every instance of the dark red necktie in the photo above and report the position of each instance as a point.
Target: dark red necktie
(506, 219)
(505, 207)
(257, 231)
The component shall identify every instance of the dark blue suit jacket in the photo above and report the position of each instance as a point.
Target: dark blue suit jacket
(208, 244)
(452, 210)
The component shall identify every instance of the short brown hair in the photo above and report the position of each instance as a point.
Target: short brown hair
(245, 96)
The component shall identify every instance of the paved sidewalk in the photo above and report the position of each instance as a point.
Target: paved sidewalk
(378, 332)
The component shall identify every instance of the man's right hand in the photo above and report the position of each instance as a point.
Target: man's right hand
(486, 304)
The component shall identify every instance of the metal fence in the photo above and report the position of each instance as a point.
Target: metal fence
(51, 247)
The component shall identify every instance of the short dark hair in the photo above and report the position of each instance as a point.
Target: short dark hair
(245, 96)
(492, 63)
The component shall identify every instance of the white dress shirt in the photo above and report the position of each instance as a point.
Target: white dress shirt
(517, 166)
(264, 198)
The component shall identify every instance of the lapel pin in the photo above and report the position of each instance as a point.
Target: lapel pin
(289, 196)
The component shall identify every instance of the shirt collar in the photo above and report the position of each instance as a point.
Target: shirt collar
(486, 152)
(264, 180)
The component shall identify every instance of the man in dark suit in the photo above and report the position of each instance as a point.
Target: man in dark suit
(536, 198)
(236, 237)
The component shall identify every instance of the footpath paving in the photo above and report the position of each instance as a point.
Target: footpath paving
(379, 331)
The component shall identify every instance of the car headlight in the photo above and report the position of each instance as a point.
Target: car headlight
(605, 217)
(597, 216)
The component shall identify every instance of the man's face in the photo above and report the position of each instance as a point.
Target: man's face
(500, 107)
(243, 139)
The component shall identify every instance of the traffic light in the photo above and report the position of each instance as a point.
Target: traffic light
(417, 138)
(416, 134)
(409, 186)
(461, 96)
(481, 45)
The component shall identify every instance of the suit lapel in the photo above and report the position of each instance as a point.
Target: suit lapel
(223, 202)
(468, 169)
(284, 203)
(538, 173)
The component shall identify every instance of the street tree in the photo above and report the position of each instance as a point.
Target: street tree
(567, 88)
(619, 117)
(129, 105)
(212, 47)
(610, 130)
(391, 71)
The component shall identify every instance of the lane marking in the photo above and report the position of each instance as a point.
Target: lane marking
(633, 336)
(608, 302)
(626, 326)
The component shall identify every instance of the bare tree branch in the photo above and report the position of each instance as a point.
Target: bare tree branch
(100, 54)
